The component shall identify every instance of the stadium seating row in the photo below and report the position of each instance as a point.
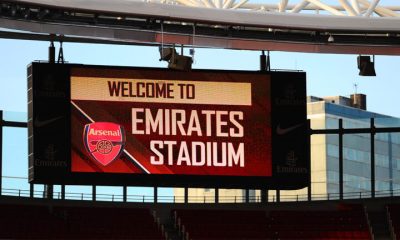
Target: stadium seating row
(221, 224)
(394, 217)
(41, 222)
(21, 221)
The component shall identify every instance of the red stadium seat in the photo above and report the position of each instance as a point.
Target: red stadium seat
(349, 223)
(41, 222)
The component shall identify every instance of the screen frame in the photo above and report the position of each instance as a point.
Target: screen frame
(63, 175)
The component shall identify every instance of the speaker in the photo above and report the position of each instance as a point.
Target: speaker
(366, 67)
(166, 53)
(180, 62)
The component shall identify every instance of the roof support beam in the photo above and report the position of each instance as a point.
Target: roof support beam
(300, 6)
(240, 4)
(228, 4)
(380, 10)
(326, 7)
(208, 3)
(186, 2)
(371, 8)
(356, 6)
(283, 5)
(349, 9)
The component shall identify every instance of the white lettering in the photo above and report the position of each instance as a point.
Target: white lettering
(136, 120)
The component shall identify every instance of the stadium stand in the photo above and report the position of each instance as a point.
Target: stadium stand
(32, 218)
(341, 224)
(222, 224)
(393, 211)
(219, 224)
(43, 222)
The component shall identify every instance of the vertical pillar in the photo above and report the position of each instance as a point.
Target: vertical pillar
(309, 187)
(247, 195)
(52, 53)
(155, 194)
(1, 152)
(94, 193)
(216, 195)
(263, 62)
(264, 195)
(186, 195)
(63, 192)
(372, 157)
(124, 193)
(49, 191)
(31, 190)
(278, 195)
(340, 159)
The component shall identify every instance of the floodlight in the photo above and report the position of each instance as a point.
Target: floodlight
(366, 67)
(331, 39)
(166, 53)
(180, 62)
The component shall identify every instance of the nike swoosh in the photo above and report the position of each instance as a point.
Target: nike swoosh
(283, 131)
(39, 123)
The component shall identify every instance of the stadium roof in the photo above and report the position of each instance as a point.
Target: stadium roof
(308, 25)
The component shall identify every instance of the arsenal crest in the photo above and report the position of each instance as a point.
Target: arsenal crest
(104, 141)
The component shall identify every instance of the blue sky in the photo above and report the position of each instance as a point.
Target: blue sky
(327, 74)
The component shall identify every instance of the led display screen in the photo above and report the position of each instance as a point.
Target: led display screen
(148, 126)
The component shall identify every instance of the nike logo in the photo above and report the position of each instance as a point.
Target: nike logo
(39, 123)
(283, 131)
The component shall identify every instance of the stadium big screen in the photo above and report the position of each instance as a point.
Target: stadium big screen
(158, 127)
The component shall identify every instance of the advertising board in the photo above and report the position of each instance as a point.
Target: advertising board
(158, 127)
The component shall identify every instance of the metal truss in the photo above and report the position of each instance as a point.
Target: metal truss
(351, 8)
(315, 26)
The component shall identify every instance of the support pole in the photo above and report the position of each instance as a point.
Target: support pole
(63, 192)
(124, 193)
(186, 195)
(155, 194)
(94, 193)
(247, 195)
(1, 152)
(49, 191)
(263, 62)
(278, 195)
(341, 159)
(372, 158)
(264, 195)
(31, 190)
(309, 188)
(216, 195)
(52, 53)
(268, 62)
(61, 54)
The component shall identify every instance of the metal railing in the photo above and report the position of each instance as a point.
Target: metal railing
(101, 197)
